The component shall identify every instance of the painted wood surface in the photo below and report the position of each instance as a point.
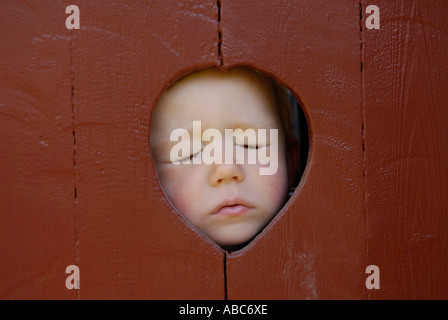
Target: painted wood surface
(37, 214)
(315, 247)
(131, 242)
(405, 101)
(78, 187)
(84, 124)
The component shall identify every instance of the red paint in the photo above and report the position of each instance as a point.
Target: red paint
(78, 187)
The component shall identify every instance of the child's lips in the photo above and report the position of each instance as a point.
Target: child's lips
(233, 208)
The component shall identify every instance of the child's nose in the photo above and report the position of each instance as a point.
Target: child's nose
(224, 173)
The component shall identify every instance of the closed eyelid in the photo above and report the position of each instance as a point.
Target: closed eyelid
(252, 140)
(192, 155)
(193, 150)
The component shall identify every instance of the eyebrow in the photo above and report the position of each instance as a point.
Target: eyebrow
(271, 123)
(163, 145)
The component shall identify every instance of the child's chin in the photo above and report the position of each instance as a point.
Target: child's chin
(234, 241)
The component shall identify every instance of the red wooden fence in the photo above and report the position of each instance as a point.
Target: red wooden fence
(78, 187)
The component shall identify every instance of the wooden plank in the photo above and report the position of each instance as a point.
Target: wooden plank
(37, 218)
(406, 122)
(315, 247)
(132, 244)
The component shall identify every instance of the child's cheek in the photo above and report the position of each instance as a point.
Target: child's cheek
(275, 186)
(181, 186)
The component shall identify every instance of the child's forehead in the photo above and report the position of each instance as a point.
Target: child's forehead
(199, 91)
(219, 79)
(218, 98)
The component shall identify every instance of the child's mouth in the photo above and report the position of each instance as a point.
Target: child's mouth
(233, 209)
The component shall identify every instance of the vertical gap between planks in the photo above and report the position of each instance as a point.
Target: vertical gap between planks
(225, 276)
(363, 115)
(220, 58)
(75, 184)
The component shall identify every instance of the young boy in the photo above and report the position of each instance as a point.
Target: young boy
(229, 201)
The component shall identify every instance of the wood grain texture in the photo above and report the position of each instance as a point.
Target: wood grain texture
(315, 248)
(37, 221)
(132, 244)
(78, 186)
(406, 122)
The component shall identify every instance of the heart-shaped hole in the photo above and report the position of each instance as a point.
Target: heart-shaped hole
(229, 149)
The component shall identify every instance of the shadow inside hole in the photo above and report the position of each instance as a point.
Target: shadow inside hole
(301, 131)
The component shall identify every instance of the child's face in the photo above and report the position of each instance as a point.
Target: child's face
(230, 203)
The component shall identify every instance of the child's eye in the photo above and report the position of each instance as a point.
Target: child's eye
(190, 157)
(195, 155)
